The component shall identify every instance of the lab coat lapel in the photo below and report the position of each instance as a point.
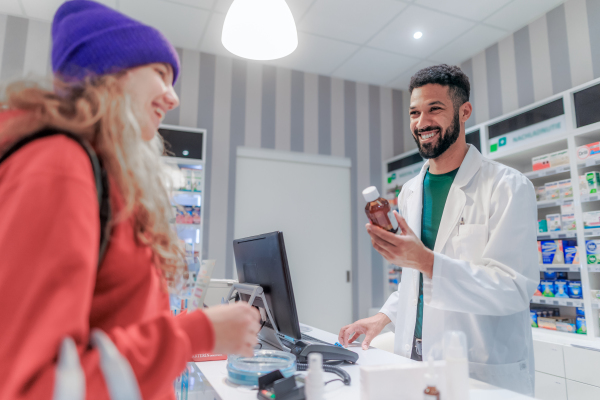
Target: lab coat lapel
(414, 202)
(455, 203)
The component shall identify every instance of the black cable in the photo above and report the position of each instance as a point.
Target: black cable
(333, 380)
(329, 368)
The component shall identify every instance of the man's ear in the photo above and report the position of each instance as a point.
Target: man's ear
(465, 111)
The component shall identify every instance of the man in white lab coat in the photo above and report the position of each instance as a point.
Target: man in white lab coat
(467, 246)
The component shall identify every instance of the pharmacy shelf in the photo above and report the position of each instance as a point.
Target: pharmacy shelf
(552, 203)
(187, 226)
(589, 197)
(557, 235)
(596, 304)
(547, 172)
(556, 301)
(591, 232)
(594, 268)
(186, 192)
(589, 163)
(560, 267)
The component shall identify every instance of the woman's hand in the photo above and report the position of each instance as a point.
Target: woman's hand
(236, 328)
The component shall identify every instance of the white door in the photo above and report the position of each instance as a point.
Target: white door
(307, 197)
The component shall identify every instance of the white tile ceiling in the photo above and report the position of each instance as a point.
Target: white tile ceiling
(363, 40)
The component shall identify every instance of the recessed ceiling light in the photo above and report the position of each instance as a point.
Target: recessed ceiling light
(418, 35)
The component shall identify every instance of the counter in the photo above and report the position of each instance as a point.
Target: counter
(215, 374)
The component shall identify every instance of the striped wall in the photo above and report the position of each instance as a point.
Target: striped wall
(556, 52)
(244, 103)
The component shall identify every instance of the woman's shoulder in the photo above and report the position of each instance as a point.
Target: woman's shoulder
(56, 155)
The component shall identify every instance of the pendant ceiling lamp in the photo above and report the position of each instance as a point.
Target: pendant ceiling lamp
(260, 29)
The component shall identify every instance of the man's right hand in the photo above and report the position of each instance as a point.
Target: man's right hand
(371, 327)
(236, 328)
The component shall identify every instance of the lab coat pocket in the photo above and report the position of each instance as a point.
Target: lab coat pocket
(514, 376)
(470, 242)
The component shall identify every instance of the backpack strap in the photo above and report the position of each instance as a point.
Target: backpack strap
(100, 179)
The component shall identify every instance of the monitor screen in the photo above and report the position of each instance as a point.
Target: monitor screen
(262, 260)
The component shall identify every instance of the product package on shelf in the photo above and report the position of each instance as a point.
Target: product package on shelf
(542, 226)
(552, 252)
(540, 193)
(554, 222)
(592, 180)
(592, 248)
(565, 189)
(591, 219)
(570, 251)
(567, 216)
(540, 162)
(591, 150)
(552, 191)
(551, 160)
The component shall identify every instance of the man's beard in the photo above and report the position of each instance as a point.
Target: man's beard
(446, 139)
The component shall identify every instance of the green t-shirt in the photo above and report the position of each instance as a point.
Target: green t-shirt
(435, 193)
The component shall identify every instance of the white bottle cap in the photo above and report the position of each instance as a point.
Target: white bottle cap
(315, 361)
(430, 376)
(371, 194)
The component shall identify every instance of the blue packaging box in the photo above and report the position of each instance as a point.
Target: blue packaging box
(580, 311)
(570, 251)
(560, 288)
(534, 317)
(551, 276)
(574, 289)
(581, 325)
(548, 289)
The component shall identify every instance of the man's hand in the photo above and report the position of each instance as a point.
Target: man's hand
(236, 328)
(404, 250)
(371, 327)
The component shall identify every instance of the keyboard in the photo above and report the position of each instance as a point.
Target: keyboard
(311, 339)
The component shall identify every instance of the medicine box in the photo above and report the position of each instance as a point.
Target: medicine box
(542, 226)
(583, 187)
(566, 325)
(560, 288)
(574, 289)
(595, 294)
(581, 326)
(554, 222)
(552, 252)
(567, 208)
(592, 248)
(541, 162)
(540, 193)
(540, 260)
(570, 251)
(559, 158)
(548, 288)
(592, 179)
(565, 189)
(591, 150)
(568, 222)
(552, 191)
(591, 220)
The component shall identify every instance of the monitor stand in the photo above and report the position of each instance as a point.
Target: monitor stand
(268, 335)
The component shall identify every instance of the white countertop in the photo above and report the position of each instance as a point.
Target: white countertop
(215, 372)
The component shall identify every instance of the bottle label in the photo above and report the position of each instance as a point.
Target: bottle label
(393, 220)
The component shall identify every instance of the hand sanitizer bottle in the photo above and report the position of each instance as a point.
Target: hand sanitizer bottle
(378, 210)
(313, 383)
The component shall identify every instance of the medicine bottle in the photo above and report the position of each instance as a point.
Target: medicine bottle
(431, 392)
(378, 210)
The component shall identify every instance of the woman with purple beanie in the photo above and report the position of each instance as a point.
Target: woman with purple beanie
(113, 85)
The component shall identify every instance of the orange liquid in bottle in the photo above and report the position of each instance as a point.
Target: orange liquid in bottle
(378, 210)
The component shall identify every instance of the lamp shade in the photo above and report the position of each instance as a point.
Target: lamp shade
(260, 29)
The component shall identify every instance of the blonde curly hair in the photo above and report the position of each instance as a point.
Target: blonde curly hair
(98, 111)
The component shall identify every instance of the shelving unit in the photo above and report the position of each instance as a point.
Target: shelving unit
(552, 130)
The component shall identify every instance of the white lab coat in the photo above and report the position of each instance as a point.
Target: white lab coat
(484, 272)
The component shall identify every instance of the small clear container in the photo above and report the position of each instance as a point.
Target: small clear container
(246, 370)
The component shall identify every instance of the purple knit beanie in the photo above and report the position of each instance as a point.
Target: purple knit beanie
(89, 38)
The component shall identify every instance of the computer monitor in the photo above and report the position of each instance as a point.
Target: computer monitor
(261, 260)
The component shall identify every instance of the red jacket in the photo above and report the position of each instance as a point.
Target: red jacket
(50, 286)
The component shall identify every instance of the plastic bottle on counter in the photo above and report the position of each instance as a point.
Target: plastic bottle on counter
(314, 386)
(457, 366)
(431, 391)
(378, 210)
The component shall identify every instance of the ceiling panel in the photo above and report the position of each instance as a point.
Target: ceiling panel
(402, 81)
(316, 54)
(298, 7)
(438, 30)
(520, 13)
(45, 9)
(357, 24)
(374, 66)
(10, 7)
(182, 25)
(471, 43)
(475, 10)
(211, 43)
(205, 4)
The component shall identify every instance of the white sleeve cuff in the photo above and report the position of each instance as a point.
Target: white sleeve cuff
(436, 276)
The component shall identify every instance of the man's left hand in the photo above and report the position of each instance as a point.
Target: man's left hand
(404, 249)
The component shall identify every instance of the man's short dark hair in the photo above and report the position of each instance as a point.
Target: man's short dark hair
(445, 75)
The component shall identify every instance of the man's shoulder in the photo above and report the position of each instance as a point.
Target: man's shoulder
(500, 170)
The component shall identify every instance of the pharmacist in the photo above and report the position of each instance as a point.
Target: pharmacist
(467, 246)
